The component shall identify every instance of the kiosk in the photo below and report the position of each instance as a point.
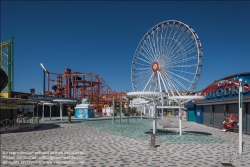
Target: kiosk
(84, 110)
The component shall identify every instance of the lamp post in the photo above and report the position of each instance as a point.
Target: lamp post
(240, 116)
(44, 71)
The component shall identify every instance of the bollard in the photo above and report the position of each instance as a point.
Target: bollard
(153, 141)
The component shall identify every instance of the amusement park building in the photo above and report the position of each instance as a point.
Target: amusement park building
(221, 100)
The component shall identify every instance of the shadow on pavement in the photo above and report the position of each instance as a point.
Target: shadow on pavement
(227, 164)
(162, 132)
(57, 122)
(31, 128)
(172, 132)
(198, 133)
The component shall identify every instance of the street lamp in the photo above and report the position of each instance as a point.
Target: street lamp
(240, 115)
(44, 71)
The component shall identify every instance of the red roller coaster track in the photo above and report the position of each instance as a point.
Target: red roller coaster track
(82, 85)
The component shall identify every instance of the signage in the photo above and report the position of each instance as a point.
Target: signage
(227, 88)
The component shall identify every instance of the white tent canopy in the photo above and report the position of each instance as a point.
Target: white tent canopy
(48, 104)
(181, 100)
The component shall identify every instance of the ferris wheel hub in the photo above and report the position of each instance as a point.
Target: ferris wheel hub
(155, 66)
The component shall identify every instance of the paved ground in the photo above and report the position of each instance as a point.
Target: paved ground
(101, 143)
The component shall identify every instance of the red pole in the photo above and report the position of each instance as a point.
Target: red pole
(98, 91)
(74, 85)
(91, 89)
(67, 85)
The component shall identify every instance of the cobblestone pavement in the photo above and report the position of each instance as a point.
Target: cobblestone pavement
(100, 143)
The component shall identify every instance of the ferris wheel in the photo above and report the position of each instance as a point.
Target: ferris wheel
(167, 59)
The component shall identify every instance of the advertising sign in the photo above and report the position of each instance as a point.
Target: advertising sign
(227, 88)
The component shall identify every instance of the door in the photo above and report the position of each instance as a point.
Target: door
(207, 117)
(219, 115)
(234, 109)
(191, 114)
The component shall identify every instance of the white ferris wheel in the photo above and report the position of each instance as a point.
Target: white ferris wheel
(167, 59)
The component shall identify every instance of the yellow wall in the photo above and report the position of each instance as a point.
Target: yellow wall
(4, 94)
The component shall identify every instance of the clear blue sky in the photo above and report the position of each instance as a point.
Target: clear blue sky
(101, 37)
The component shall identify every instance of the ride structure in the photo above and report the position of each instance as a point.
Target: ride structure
(167, 63)
(7, 63)
(168, 58)
(81, 86)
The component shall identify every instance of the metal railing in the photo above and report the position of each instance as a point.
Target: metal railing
(16, 123)
(9, 123)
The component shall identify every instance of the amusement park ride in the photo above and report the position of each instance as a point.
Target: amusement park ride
(81, 86)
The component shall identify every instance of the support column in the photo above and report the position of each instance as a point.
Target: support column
(43, 84)
(113, 116)
(120, 109)
(144, 109)
(240, 117)
(127, 116)
(180, 117)
(33, 110)
(43, 113)
(50, 112)
(162, 113)
(37, 109)
(141, 114)
(152, 113)
(61, 110)
(33, 114)
(155, 118)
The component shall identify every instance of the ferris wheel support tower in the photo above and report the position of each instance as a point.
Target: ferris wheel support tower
(7, 62)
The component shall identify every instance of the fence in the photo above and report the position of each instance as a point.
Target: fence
(18, 123)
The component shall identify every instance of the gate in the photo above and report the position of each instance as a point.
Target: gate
(219, 115)
(207, 115)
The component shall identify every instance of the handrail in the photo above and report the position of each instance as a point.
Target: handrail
(17, 122)
(12, 123)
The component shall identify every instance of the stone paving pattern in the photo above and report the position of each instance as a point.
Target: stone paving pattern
(107, 144)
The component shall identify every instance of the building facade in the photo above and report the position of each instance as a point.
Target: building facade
(222, 99)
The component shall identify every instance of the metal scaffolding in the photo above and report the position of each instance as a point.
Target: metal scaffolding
(81, 85)
(7, 62)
